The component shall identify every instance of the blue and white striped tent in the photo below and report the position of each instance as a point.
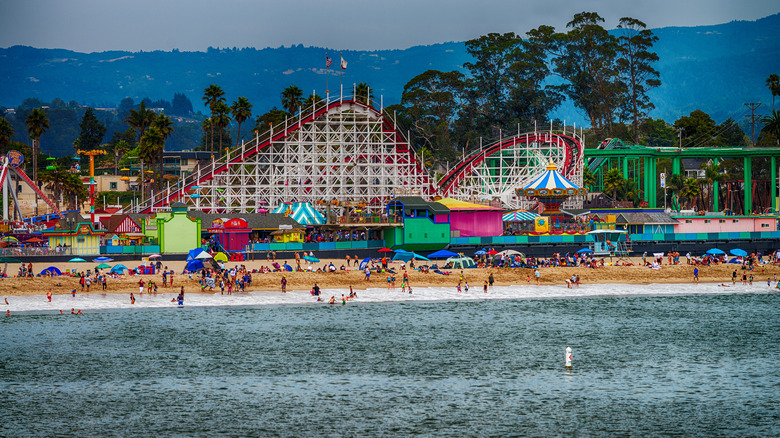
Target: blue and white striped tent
(551, 183)
(301, 212)
(519, 216)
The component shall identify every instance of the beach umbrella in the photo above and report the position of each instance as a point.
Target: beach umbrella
(442, 254)
(403, 256)
(492, 252)
(584, 250)
(715, 251)
(9, 239)
(51, 270)
(385, 250)
(34, 240)
(287, 267)
(155, 256)
(221, 257)
(103, 266)
(419, 257)
(203, 255)
(364, 263)
(311, 259)
(76, 260)
(481, 252)
(738, 252)
(511, 252)
(103, 259)
(400, 250)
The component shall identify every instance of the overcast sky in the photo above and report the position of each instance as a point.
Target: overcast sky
(194, 25)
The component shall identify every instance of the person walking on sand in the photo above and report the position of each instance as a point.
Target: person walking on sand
(538, 275)
(696, 275)
(48, 295)
(284, 284)
(141, 286)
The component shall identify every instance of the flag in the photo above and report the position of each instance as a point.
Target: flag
(328, 61)
(343, 63)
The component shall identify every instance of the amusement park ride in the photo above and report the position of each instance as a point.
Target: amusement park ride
(11, 169)
(345, 152)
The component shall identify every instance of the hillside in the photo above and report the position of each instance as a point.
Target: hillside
(713, 68)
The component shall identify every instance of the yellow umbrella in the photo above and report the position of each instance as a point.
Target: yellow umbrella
(221, 257)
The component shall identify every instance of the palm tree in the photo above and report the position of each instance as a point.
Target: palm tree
(242, 110)
(712, 174)
(772, 124)
(588, 178)
(140, 119)
(773, 83)
(221, 120)
(690, 191)
(63, 184)
(212, 95)
(6, 133)
(675, 183)
(291, 99)
(165, 125)
(362, 91)
(613, 181)
(37, 124)
(149, 150)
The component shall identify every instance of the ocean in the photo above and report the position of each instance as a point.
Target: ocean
(657, 360)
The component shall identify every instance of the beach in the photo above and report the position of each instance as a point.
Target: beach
(352, 277)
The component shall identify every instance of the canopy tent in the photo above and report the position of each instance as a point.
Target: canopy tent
(584, 250)
(461, 262)
(403, 256)
(51, 270)
(119, 269)
(442, 254)
(551, 181)
(194, 265)
(301, 212)
(519, 216)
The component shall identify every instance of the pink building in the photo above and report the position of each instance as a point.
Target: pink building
(473, 220)
(724, 224)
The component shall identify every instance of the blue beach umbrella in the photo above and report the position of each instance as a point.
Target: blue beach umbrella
(77, 260)
(311, 259)
(584, 250)
(104, 259)
(364, 263)
(715, 251)
(738, 252)
(481, 252)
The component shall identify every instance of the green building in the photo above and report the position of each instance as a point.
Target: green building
(176, 232)
(426, 225)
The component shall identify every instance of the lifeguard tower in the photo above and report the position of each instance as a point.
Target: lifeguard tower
(612, 243)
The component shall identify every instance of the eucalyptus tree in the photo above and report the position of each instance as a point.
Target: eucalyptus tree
(241, 110)
(37, 124)
(636, 70)
(213, 95)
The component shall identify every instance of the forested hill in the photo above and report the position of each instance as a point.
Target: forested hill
(712, 68)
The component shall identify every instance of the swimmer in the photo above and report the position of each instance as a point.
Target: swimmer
(332, 300)
(79, 312)
(410, 289)
(6, 301)
(72, 293)
(8, 312)
(48, 294)
(343, 300)
(60, 311)
(724, 285)
(72, 311)
(466, 288)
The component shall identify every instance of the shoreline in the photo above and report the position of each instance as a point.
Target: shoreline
(304, 281)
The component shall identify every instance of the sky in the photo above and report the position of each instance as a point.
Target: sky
(195, 25)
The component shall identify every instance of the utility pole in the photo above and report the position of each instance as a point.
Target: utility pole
(679, 134)
(753, 118)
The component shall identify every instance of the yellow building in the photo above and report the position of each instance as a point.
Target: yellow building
(286, 236)
(83, 240)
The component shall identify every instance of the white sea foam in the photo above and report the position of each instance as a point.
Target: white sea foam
(97, 301)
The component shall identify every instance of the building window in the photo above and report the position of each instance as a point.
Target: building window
(735, 220)
(706, 221)
(688, 221)
(722, 221)
(764, 225)
(80, 240)
(112, 186)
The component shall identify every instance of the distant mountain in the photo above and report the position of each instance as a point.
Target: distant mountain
(712, 68)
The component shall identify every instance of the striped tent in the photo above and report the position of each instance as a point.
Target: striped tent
(551, 182)
(301, 212)
(520, 216)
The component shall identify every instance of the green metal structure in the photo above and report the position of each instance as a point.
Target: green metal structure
(641, 163)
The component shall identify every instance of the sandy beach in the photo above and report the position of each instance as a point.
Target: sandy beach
(303, 281)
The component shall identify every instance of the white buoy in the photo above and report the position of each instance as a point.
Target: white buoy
(568, 357)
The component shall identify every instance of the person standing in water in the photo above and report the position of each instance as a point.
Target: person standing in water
(132, 298)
